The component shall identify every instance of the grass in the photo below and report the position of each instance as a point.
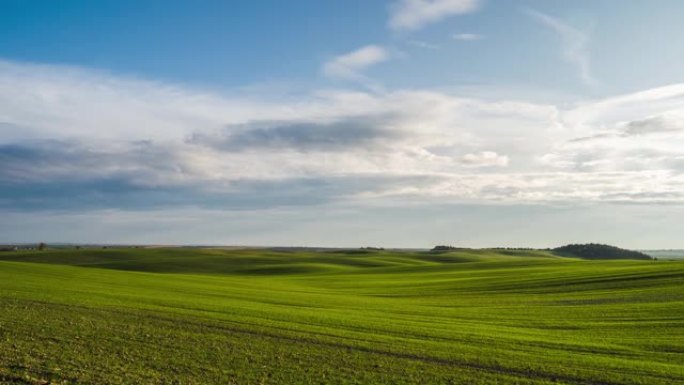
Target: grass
(212, 316)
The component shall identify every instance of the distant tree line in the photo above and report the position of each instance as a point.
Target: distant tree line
(41, 246)
(447, 248)
(585, 251)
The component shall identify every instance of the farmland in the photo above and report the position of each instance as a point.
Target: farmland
(260, 316)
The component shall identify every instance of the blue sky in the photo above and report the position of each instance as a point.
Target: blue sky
(400, 123)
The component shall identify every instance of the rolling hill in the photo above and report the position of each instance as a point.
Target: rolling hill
(198, 316)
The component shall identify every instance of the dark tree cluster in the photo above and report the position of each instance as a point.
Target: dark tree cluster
(599, 251)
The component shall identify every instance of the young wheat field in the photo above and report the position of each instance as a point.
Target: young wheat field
(260, 316)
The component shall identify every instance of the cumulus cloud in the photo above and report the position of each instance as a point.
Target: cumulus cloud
(415, 14)
(118, 142)
(350, 65)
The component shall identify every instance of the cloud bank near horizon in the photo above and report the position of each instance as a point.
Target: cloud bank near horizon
(73, 137)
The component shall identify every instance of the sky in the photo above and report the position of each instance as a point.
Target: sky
(342, 123)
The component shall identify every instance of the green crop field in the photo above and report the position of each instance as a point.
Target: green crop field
(213, 316)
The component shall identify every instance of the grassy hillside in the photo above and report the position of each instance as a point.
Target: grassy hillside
(190, 316)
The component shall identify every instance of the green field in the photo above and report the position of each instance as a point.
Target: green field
(212, 316)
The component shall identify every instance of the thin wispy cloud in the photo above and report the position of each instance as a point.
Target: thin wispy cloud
(575, 44)
(411, 15)
(350, 66)
(467, 36)
(423, 44)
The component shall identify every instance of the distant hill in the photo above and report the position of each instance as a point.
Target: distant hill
(672, 254)
(598, 251)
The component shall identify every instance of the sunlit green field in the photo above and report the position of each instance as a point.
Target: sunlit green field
(211, 316)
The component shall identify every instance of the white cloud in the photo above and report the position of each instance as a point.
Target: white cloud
(351, 65)
(626, 187)
(423, 44)
(61, 124)
(485, 158)
(666, 123)
(575, 43)
(467, 36)
(638, 132)
(633, 106)
(415, 14)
